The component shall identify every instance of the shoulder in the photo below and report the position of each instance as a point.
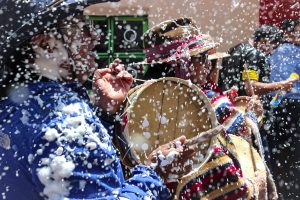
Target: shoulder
(287, 51)
(284, 48)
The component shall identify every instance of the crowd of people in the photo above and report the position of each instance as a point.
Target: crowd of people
(272, 60)
(55, 143)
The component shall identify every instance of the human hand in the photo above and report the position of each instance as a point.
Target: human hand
(172, 160)
(255, 106)
(287, 85)
(111, 85)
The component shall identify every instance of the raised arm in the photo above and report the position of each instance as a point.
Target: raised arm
(111, 85)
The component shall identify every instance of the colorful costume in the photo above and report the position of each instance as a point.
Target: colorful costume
(227, 115)
(221, 176)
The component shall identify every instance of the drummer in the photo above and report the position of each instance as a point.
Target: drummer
(178, 48)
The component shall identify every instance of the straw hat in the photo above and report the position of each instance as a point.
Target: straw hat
(218, 55)
(172, 39)
(176, 42)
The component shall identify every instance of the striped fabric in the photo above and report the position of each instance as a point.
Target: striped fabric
(177, 51)
(232, 119)
(169, 49)
(220, 178)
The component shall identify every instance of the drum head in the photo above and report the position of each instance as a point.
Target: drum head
(162, 110)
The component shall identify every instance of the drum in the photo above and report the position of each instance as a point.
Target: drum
(160, 111)
(248, 157)
(201, 183)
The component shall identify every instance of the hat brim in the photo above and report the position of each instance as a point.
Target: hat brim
(209, 46)
(218, 55)
(50, 15)
(214, 56)
(192, 52)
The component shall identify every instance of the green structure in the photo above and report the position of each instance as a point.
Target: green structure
(121, 37)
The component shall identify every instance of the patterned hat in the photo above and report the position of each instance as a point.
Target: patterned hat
(176, 41)
(170, 39)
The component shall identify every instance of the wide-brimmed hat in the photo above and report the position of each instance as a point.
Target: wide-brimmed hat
(171, 39)
(177, 41)
(218, 55)
(20, 20)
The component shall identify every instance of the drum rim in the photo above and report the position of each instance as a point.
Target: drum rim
(203, 97)
(187, 83)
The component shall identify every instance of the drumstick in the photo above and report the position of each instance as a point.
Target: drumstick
(140, 80)
(248, 80)
(256, 133)
(204, 136)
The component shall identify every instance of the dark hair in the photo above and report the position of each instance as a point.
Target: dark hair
(156, 71)
(270, 32)
(18, 65)
(18, 68)
(290, 24)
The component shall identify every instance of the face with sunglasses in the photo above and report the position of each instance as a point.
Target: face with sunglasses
(200, 68)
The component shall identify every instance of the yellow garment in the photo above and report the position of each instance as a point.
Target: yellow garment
(253, 75)
(294, 75)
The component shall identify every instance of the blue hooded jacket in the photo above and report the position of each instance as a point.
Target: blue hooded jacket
(53, 146)
(285, 60)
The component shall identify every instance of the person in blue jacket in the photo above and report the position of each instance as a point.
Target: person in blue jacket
(284, 129)
(52, 144)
